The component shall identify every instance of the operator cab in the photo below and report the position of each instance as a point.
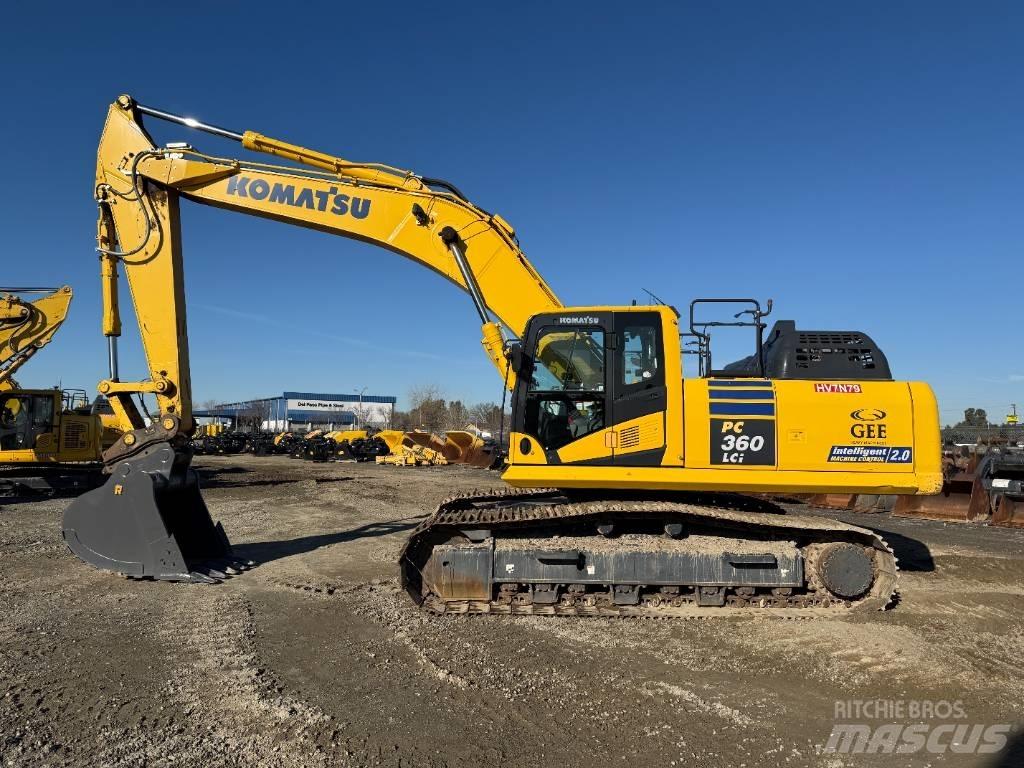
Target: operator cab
(586, 370)
(24, 417)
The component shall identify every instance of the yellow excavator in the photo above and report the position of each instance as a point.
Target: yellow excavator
(50, 439)
(633, 490)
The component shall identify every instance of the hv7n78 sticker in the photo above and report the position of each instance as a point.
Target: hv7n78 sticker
(743, 442)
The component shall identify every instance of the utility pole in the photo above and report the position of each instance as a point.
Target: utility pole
(359, 412)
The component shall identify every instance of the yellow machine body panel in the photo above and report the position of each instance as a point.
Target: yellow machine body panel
(753, 435)
(34, 429)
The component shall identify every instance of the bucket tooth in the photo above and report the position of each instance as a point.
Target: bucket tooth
(148, 520)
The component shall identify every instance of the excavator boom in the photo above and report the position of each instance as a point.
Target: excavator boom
(425, 220)
(28, 326)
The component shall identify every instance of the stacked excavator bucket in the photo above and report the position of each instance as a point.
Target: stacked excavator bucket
(983, 484)
(412, 449)
(462, 447)
(419, 448)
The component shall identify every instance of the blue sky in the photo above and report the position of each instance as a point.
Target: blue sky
(861, 164)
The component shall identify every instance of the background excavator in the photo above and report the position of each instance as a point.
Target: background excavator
(50, 439)
(632, 488)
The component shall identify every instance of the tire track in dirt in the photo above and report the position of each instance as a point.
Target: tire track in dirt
(224, 692)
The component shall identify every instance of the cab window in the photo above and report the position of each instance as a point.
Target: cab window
(23, 419)
(15, 413)
(565, 397)
(569, 360)
(640, 363)
(42, 413)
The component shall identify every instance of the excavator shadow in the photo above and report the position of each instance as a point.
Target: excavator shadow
(266, 551)
(913, 555)
(1012, 755)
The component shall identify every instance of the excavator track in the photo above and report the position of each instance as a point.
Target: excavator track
(48, 480)
(540, 552)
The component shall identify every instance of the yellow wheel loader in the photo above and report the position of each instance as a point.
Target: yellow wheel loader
(631, 487)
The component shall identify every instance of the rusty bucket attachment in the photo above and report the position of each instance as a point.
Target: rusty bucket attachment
(1009, 512)
(149, 521)
(854, 502)
(461, 447)
(874, 502)
(1002, 475)
(963, 498)
(832, 500)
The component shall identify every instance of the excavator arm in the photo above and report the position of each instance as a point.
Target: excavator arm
(149, 519)
(139, 186)
(27, 326)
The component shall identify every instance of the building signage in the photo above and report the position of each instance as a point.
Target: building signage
(320, 405)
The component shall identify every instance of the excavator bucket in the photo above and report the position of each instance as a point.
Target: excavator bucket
(426, 440)
(149, 521)
(466, 448)
(1009, 512)
(874, 502)
(854, 502)
(832, 500)
(392, 438)
(410, 449)
(963, 498)
(1002, 475)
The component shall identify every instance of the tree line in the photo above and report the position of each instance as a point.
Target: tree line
(429, 410)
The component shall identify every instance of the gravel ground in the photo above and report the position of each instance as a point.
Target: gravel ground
(316, 658)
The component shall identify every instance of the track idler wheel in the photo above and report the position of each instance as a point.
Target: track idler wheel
(150, 521)
(845, 570)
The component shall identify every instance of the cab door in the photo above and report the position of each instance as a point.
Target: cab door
(637, 387)
(562, 407)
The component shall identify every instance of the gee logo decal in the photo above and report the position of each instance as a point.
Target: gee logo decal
(867, 424)
(331, 199)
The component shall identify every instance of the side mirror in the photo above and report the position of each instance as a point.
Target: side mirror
(518, 359)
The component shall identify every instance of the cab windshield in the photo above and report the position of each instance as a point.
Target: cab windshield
(569, 360)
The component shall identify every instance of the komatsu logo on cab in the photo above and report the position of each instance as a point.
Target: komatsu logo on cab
(579, 320)
(332, 199)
